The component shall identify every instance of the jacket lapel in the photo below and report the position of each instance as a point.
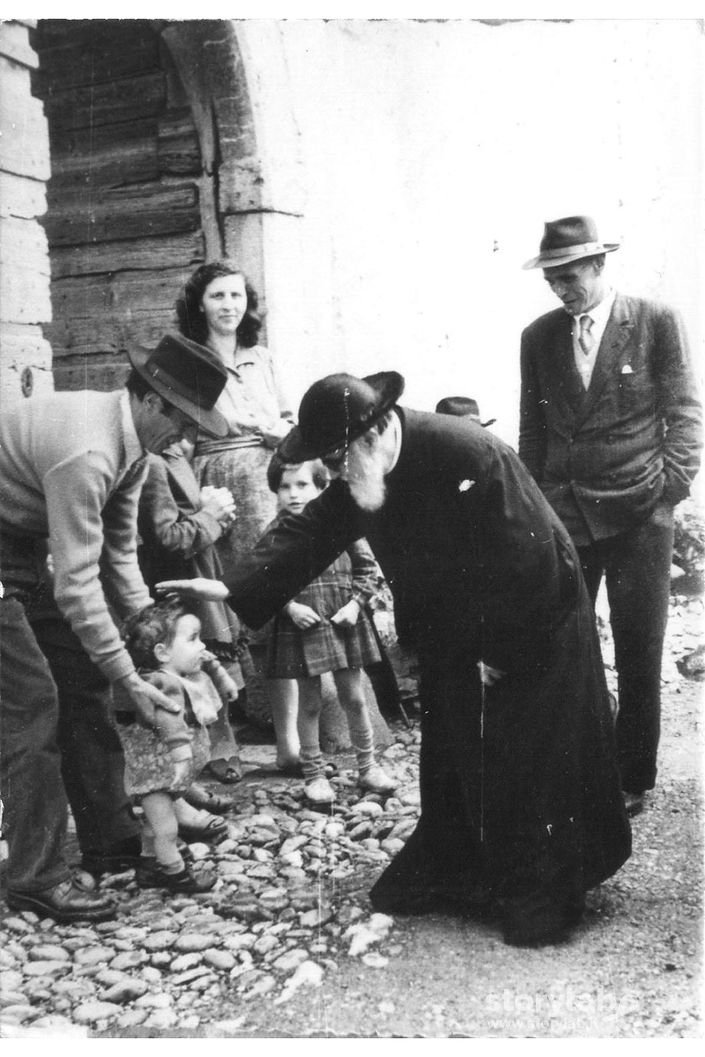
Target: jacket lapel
(617, 333)
(569, 394)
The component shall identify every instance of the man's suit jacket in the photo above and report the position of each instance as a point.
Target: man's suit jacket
(606, 456)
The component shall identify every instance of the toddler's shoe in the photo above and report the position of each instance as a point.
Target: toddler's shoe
(319, 791)
(375, 780)
(149, 874)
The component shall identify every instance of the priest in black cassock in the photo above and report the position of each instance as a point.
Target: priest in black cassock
(521, 804)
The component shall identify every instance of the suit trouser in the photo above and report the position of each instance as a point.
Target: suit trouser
(637, 568)
(57, 735)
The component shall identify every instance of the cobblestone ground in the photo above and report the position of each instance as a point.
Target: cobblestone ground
(287, 944)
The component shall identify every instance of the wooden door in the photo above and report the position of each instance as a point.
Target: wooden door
(124, 219)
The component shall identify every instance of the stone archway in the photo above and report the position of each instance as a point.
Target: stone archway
(153, 162)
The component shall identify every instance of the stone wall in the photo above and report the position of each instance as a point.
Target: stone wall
(25, 356)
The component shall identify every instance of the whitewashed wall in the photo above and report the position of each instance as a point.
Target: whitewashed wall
(430, 156)
(25, 357)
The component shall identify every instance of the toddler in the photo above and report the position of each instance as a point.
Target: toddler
(326, 629)
(178, 524)
(164, 641)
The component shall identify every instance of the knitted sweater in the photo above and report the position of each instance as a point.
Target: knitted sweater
(71, 469)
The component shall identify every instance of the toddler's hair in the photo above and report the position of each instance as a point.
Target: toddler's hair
(154, 624)
(319, 473)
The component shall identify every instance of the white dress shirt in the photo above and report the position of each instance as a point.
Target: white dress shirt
(585, 362)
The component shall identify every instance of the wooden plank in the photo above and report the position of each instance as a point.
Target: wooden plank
(102, 104)
(53, 32)
(88, 59)
(138, 254)
(178, 148)
(88, 374)
(107, 334)
(122, 213)
(86, 140)
(119, 295)
(119, 162)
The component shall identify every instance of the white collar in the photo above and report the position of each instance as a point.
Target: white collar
(600, 313)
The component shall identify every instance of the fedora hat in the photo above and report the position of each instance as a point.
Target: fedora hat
(187, 376)
(569, 239)
(463, 407)
(338, 409)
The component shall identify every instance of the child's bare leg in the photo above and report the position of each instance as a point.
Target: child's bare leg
(351, 694)
(283, 696)
(161, 817)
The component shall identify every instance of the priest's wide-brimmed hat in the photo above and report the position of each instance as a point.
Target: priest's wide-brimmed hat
(337, 410)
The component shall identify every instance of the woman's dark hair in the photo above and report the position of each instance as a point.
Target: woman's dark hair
(192, 322)
(319, 474)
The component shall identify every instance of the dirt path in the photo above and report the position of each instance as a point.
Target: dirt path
(631, 971)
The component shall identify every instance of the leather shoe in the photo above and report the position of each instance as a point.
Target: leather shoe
(149, 874)
(199, 796)
(633, 803)
(65, 902)
(213, 831)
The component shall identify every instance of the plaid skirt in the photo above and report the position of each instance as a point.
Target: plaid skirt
(295, 653)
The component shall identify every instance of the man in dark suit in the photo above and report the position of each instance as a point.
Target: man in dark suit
(521, 806)
(610, 428)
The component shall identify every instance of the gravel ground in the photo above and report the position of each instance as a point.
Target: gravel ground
(287, 945)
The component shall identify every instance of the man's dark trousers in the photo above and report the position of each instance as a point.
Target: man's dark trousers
(57, 736)
(636, 565)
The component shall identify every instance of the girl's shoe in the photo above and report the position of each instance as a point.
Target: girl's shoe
(375, 780)
(227, 771)
(199, 796)
(214, 831)
(319, 791)
(149, 874)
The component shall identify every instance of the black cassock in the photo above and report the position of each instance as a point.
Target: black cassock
(521, 805)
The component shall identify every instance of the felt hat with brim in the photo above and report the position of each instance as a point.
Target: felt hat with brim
(462, 407)
(336, 411)
(569, 239)
(188, 376)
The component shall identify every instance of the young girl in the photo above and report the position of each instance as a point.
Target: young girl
(326, 629)
(164, 641)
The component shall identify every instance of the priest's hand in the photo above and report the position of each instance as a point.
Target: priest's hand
(199, 588)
